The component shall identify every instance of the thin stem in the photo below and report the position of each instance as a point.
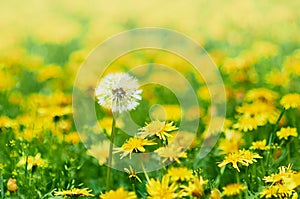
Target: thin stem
(2, 187)
(145, 172)
(271, 137)
(112, 137)
(238, 181)
(289, 152)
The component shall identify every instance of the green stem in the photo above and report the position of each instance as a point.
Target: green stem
(2, 187)
(289, 152)
(112, 137)
(271, 137)
(238, 181)
(145, 172)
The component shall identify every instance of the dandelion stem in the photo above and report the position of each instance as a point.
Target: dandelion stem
(145, 172)
(238, 181)
(289, 152)
(2, 187)
(271, 137)
(112, 137)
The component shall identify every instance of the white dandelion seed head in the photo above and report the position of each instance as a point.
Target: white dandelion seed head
(118, 92)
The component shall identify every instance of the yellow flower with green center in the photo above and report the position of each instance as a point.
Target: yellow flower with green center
(180, 174)
(233, 189)
(133, 144)
(161, 189)
(244, 157)
(157, 128)
(171, 153)
(74, 192)
(291, 100)
(119, 193)
(260, 145)
(284, 133)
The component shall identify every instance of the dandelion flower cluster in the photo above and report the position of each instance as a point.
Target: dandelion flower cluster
(118, 92)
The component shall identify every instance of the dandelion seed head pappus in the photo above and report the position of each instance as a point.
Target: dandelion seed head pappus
(118, 92)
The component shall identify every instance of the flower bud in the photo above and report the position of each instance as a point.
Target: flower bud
(12, 184)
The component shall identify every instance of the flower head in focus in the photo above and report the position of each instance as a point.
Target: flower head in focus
(161, 189)
(133, 144)
(118, 92)
(157, 128)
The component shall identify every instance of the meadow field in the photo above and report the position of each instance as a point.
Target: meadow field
(152, 125)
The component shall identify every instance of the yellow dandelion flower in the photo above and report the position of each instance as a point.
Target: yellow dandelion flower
(232, 141)
(49, 72)
(277, 78)
(260, 145)
(180, 174)
(283, 184)
(215, 194)
(157, 128)
(269, 192)
(74, 192)
(171, 153)
(291, 64)
(6, 122)
(233, 189)
(166, 112)
(120, 193)
(244, 157)
(278, 191)
(132, 174)
(259, 111)
(32, 161)
(291, 100)
(73, 138)
(284, 133)
(133, 144)
(283, 174)
(161, 189)
(246, 123)
(100, 151)
(183, 139)
(262, 95)
(195, 187)
(204, 93)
